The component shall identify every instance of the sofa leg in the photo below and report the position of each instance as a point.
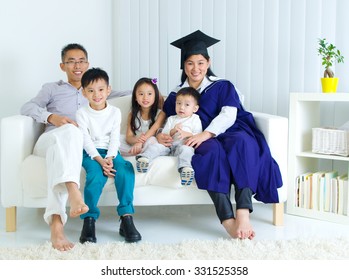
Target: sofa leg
(11, 219)
(278, 214)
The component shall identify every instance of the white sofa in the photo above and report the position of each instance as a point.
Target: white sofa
(23, 175)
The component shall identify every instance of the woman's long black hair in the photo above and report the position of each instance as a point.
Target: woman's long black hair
(135, 107)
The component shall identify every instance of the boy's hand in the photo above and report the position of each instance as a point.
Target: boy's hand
(107, 165)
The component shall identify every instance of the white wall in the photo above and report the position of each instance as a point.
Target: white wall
(32, 36)
(268, 47)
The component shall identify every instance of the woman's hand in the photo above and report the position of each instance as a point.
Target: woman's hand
(196, 140)
(164, 139)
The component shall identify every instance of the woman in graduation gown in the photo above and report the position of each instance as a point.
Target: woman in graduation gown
(231, 149)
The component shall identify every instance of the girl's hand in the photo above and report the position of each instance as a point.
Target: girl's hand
(196, 140)
(142, 138)
(136, 149)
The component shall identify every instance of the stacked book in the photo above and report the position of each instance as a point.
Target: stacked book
(323, 191)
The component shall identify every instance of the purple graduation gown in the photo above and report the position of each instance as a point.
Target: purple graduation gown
(239, 156)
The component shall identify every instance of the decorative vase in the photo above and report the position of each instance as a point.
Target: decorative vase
(329, 85)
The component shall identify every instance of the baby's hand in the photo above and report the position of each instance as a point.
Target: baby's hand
(182, 134)
(178, 126)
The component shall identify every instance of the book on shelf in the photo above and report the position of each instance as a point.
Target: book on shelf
(310, 191)
(315, 189)
(345, 193)
(334, 195)
(303, 192)
(342, 185)
(328, 190)
(339, 194)
(306, 181)
(323, 191)
(297, 192)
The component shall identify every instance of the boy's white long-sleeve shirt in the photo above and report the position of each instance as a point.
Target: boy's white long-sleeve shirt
(101, 129)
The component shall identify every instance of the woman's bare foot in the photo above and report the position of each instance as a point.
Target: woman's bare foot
(77, 204)
(58, 239)
(240, 227)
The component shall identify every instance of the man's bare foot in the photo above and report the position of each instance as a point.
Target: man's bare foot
(58, 239)
(240, 227)
(77, 204)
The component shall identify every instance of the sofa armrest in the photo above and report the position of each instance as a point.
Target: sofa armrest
(275, 130)
(18, 137)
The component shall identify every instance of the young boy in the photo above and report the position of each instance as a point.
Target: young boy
(100, 126)
(180, 127)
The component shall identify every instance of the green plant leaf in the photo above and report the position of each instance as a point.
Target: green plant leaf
(329, 54)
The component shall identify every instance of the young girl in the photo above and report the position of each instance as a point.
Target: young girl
(144, 119)
(180, 127)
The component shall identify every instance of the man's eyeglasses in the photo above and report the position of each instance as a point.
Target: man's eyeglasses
(74, 62)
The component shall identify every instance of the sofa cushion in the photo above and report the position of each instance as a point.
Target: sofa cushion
(161, 173)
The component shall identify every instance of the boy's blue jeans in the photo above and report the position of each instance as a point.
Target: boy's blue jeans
(95, 182)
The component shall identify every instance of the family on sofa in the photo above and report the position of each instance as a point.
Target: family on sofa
(228, 149)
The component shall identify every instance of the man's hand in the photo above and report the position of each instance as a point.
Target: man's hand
(164, 139)
(58, 120)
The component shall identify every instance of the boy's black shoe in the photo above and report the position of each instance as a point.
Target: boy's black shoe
(88, 233)
(128, 229)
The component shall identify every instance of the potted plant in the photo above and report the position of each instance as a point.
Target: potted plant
(330, 54)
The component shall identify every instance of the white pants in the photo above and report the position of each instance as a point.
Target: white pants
(62, 147)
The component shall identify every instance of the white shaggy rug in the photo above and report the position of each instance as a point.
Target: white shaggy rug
(222, 249)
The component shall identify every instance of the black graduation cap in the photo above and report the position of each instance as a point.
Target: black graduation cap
(194, 43)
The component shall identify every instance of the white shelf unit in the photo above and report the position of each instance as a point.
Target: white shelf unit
(304, 114)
